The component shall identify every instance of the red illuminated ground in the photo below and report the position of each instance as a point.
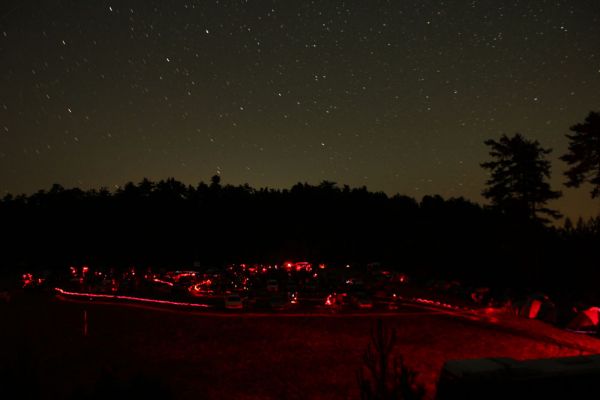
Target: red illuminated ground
(244, 357)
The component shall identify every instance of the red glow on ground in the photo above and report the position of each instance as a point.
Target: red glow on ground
(312, 358)
(129, 298)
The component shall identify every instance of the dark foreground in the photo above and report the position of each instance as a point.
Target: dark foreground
(49, 352)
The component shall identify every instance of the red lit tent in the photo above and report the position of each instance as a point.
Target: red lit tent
(586, 320)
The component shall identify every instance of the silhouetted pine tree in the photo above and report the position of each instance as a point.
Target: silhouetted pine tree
(518, 184)
(584, 154)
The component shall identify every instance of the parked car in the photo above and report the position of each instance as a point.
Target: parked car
(336, 301)
(272, 285)
(233, 302)
(279, 304)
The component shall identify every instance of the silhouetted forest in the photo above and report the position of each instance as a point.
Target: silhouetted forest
(167, 224)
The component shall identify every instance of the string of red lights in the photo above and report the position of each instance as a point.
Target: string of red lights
(130, 298)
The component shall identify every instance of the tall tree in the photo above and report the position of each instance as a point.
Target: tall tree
(519, 174)
(584, 154)
(215, 182)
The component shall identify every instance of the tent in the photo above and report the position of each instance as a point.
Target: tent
(538, 306)
(586, 320)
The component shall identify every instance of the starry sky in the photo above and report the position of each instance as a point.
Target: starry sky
(396, 95)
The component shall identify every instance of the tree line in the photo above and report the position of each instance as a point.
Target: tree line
(168, 224)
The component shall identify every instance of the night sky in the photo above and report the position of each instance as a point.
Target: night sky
(395, 95)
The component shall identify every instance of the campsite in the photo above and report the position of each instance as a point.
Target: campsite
(127, 346)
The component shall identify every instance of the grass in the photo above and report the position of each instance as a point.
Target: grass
(207, 357)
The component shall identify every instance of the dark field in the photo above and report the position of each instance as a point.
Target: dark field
(144, 351)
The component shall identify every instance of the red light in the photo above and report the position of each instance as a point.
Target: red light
(535, 309)
(162, 282)
(140, 299)
(28, 280)
(202, 288)
(330, 300)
